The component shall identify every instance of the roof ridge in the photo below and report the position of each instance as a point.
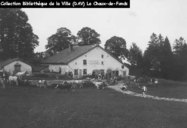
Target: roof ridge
(65, 56)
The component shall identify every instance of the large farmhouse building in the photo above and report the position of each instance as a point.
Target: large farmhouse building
(85, 60)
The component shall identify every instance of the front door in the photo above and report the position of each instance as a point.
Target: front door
(80, 73)
(17, 68)
(124, 73)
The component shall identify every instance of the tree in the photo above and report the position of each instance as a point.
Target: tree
(117, 47)
(135, 57)
(88, 36)
(16, 35)
(158, 58)
(152, 63)
(60, 40)
(166, 59)
(180, 47)
(180, 59)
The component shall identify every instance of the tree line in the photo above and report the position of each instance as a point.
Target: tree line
(162, 60)
(158, 60)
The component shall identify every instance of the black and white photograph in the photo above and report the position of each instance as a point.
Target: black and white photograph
(98, 64)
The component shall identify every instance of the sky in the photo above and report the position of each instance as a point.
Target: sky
(134, 24)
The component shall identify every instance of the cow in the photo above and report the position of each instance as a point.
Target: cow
(12, 80)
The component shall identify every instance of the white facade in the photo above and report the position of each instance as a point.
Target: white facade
(59, 68)
(23, 67)
(95, 59)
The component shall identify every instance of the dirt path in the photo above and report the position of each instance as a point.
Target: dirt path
(118, 88)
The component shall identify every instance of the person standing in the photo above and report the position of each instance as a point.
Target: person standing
(144, 90)
(2, 82)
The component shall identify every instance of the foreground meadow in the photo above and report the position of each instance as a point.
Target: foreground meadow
(24, 107)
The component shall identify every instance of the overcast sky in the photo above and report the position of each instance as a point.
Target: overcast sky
(134, 24)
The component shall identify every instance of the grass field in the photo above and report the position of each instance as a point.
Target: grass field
(23, 107)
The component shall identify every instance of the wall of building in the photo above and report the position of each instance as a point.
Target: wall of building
(59, 68)
(97, 59)
(11, 67)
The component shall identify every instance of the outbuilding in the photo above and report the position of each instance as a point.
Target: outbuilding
(12, 66)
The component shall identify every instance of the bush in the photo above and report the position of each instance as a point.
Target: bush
(64, 77)
(88, 84)
(48, 76)
(65, 85)
(42, 75)
(87, 76)
(52, 86)
(119, 78)
(26, 83)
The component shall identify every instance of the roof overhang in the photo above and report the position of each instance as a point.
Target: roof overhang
(55, 63)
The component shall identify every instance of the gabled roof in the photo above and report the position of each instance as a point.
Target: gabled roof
(6, 62)
(66, 56)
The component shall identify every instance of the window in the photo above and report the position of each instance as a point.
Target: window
(75, 71)
(102, 72)
(102, 62)
(84, 71)
(102, 56)
(60, 70)
(117, 73)
(17, 67)
(84, 62)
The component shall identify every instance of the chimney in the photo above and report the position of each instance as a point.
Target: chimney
(70, 47)
(71, 43)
